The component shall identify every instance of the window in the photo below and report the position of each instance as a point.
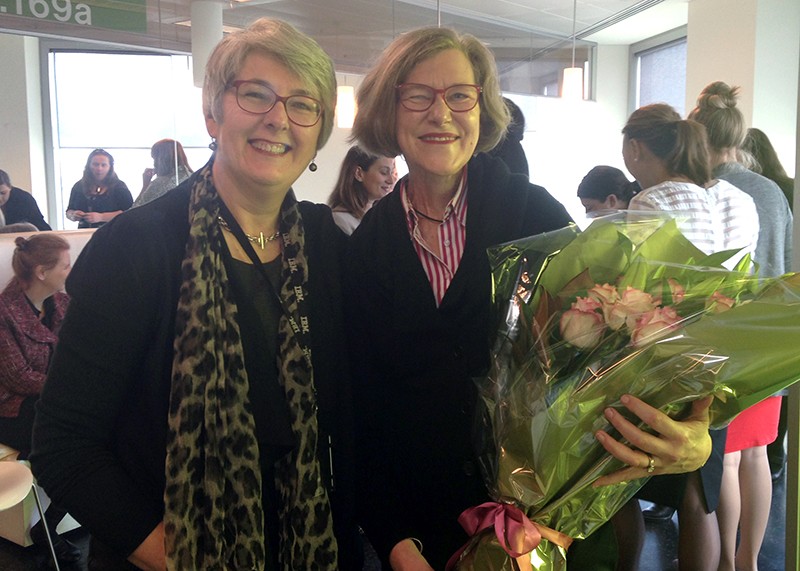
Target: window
(122, 102)
(659, 67)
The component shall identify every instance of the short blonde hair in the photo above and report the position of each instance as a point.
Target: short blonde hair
(375, 124)
(298, 52)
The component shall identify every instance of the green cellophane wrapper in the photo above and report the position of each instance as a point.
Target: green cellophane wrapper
(731, 335)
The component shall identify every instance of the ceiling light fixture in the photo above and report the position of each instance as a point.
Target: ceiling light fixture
(572, 82)
(345, 106)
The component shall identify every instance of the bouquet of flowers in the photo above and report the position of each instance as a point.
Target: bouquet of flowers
(625, 307)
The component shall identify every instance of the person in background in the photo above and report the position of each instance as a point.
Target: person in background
(363, 179)
(510, 147)
(766, 162)
(746, 480)
(17, 205)
(418, 291)
(16, 227)
(197, 409)
(669, 158)
(99, 196)
(170, 167)
(32, 307)
(605, 189)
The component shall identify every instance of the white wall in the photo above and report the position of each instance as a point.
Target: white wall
(752, 44)
(721, 43)
(317, 186)
(22, 151)
(775, 83)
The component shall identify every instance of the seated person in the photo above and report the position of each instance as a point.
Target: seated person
(17, 205)
(32, 307)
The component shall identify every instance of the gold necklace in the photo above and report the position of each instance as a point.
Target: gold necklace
(261, 240)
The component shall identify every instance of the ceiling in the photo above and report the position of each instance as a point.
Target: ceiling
(353, 31)
(531, 39)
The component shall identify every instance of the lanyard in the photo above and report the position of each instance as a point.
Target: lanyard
(300, 324)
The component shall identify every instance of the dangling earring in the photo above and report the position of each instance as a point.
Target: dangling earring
(313, 166)
(213, 144)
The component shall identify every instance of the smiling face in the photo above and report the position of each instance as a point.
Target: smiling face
(99, 167)
(262, 154)
(378, 179)
(438, 141)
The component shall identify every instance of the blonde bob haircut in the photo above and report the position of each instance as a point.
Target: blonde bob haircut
(375, 124)
(298, 52)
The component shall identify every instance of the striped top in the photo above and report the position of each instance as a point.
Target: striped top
(452, 235)
(720, 217)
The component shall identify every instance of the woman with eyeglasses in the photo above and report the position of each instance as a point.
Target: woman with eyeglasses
(197, 410)
(99, 196)
(419, 291)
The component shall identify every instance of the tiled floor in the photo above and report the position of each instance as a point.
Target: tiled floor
(659, 548)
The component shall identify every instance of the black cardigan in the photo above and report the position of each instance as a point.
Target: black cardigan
(21, 207)
(100, 435)
(414, 363)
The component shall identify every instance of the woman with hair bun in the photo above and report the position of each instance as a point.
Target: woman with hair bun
(669, 158)
(746, 479)
(32, 307)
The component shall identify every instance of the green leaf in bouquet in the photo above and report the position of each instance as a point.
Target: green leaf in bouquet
(528, 254)
(667, 245)
(598, 248)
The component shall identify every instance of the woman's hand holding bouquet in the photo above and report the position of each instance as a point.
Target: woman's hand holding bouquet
(608, 337)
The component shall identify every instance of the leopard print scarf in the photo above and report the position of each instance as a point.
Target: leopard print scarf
(213, 511)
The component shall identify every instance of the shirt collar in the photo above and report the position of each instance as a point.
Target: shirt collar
(457, 205)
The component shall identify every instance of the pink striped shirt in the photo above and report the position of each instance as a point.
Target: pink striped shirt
(452, 235)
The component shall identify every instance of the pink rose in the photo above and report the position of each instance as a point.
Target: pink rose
(718, 303)
(677, 290)
(606, 294)
(586, 304)
(653, 325)
(581, 328)
(633, 303)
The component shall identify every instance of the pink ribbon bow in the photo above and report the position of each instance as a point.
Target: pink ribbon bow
(516, 533)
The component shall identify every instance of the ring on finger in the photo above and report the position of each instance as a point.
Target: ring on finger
(651, 464)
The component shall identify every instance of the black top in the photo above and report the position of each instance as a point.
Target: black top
(117, 197)
(22, 207)
(258, 315)
(100, 439)
(414, 363)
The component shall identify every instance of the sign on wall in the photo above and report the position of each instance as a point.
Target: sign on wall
(125, 15)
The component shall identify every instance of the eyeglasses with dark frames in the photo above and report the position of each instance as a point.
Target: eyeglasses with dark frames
(258, 98)
(459, 98)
